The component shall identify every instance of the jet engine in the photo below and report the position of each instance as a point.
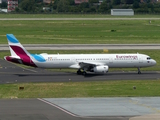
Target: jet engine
(100, 69)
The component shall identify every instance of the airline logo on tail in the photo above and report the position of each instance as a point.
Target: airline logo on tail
(19, 54)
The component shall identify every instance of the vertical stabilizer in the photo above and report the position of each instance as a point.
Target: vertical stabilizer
(16, 49)
(18, 53)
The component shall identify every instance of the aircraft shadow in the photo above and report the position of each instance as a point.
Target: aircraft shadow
(67, 74)
(87, 75)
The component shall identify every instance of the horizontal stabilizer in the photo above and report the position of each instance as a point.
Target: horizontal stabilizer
(12, 57)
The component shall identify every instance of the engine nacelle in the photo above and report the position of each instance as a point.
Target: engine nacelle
(101, 69)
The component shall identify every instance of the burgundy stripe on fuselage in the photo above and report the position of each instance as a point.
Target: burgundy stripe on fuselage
(22, 54)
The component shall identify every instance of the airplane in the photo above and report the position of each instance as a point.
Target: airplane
(96, 63)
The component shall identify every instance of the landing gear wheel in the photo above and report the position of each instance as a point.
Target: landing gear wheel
(139, 71)
(79, 72)
(84, 73)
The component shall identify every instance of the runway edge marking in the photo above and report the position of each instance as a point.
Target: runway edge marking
(58, 107)
(75, 115)
(28, 69)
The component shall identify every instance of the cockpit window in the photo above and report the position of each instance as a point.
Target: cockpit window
(148, 58)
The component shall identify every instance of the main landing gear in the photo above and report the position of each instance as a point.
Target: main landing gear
(139, 71)
(79, 72)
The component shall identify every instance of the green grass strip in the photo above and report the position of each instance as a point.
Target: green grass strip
(82, 32)
(82, 89)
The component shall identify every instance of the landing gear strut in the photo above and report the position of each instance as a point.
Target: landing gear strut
(84, 73)
(139, 71)
(79, 72)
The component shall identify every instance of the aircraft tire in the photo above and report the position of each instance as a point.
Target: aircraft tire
(84, 73)
(79, 72)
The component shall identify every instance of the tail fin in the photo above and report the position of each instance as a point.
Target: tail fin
(18, 53)
(16, 49)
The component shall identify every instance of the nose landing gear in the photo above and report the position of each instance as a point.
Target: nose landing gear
(139, 71)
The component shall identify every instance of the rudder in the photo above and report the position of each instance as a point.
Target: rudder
(16, 49)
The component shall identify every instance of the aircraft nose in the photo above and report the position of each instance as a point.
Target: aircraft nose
(154, 62)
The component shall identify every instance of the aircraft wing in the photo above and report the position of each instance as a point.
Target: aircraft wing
(88, 64)
(85, 64)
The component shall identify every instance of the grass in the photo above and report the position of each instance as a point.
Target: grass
(82, 32)
(82, 89)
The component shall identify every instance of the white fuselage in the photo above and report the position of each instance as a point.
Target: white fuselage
(111, 60)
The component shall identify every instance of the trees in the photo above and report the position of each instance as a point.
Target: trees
(31, 6)
(28, 5)
(86, 7)
(3, 5)
(93, 1)
(116, 2)
(71, 2)
(62, 6)
(135, 4)
(104, 7)
(129, 1)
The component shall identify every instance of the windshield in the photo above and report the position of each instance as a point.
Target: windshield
(148, 58)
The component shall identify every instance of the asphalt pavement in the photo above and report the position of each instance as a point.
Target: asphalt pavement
(11, 73)
(34, 109)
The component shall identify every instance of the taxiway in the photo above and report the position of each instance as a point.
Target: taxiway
(34, 109)
(11, 73)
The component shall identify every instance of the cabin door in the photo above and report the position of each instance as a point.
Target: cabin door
(140, 59)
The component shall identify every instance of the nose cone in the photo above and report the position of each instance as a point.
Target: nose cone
(154, 62)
